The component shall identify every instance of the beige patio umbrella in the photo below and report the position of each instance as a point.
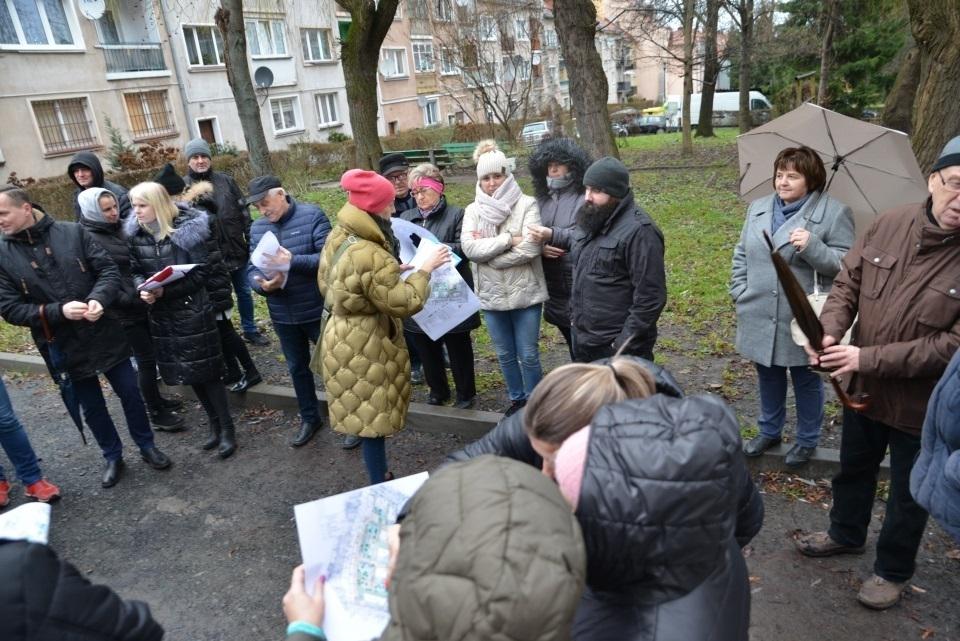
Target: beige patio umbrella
(869, 168)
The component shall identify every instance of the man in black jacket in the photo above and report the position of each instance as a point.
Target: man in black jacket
(86, 171)
(46, 599)
(56, 280)
(233, 230)
(619, 281)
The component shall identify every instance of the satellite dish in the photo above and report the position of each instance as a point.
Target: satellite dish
(422, 101)
(92, 9)
(263, 77)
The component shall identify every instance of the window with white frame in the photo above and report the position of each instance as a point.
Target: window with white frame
(65, 124)
(431, 113)
(327, 109)
(39, 23)
(550, 38)
(488, 28)
(444, 10)
(522, 66)
(204, 45)
(520, 29)
(394, 63)
(266, 38)
(448, 62)
(316, 45)
(422, 56)
(286, 114)
(149, 113)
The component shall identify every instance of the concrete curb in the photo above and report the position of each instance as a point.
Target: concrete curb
(470, 424)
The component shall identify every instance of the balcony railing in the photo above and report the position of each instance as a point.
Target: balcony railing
(134, 57)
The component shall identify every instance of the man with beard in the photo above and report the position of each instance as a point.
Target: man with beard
(619, 284)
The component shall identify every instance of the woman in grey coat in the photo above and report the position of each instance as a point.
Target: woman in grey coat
(812, 231)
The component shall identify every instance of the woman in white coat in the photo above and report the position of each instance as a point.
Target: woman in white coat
(508, 274)
(812, 231)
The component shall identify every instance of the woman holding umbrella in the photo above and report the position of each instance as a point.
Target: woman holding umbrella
(812, 231)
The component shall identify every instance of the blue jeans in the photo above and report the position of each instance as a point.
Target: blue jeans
(244, 300)
(516, 337)
(123, 380)
(375, 458)
(808, 390)
(295, 341)
(15, 443)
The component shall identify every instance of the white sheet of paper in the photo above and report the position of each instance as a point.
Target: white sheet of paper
(179, 271)
(344, 537)
(268, 247)
(28, 522)
(402, 229)
(451, 300)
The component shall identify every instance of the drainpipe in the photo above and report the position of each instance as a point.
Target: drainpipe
(192, 129)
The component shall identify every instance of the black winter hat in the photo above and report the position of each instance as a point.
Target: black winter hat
(171, 180)
(610, 176)
(392, 163)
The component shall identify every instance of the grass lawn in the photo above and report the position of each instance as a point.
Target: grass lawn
(697, 210)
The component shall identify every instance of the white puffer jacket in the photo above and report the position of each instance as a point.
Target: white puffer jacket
(506, 277)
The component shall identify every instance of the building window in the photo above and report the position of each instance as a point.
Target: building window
(520, 29)
(422, 57)
(150, 114)
(444, 10)
(316, 45)
(65, 125)
(394, 63)
(266, 38)
(204, 45)
(488, 28)
(550, 37)
(431, 113)
(327, 109)
(448, 62)
(35, 23)
(419, 10)
(286, 114)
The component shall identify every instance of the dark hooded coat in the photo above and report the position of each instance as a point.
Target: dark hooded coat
(53, 263)
(233, 228)
(558, 211)
(90, 161)
(182, 321)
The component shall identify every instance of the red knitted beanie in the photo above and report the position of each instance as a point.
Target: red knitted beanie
(367, 190)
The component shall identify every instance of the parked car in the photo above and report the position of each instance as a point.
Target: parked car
(534, 132)
(619, 130)
(652, 124)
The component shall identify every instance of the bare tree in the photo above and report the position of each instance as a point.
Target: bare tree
(495, 67)
(688, 35)
(741, 12)
(711, 68)
(229, 20)
(936, 115)
(577, 31)
(360, 57)
(831, 11)
(898, 107)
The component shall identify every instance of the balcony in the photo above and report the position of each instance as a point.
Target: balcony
(134, 59)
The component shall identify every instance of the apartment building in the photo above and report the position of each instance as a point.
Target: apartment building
(66, 74)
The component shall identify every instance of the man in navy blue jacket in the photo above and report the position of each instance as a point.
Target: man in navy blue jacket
(295, 307)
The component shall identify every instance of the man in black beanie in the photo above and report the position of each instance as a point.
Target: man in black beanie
(395, 168)
(619, 284)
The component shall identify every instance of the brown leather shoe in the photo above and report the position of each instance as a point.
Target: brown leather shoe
(818, 544)
(879, 594)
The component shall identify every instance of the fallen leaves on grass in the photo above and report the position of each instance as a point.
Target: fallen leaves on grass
(799, 489)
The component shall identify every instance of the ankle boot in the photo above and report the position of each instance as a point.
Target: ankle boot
(213, 439)
(228, 443)
(165, 420)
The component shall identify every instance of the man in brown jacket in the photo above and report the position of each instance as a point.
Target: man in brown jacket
(903, 278)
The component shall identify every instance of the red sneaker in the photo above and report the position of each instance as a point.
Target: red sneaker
(4, 493)
(43, 491)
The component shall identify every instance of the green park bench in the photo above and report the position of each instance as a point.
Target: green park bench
(438, 157)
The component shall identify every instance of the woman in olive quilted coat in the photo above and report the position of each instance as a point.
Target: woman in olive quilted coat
(362, 355)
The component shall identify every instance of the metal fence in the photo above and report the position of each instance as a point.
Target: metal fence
(130, 58)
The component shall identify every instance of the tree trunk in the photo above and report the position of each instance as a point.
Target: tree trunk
(360, 57)
(711, 69)
(936, 115)
(229, 19)
(688, 8)
(830, 11)
(898, 109)
(745, 9)
(576, 22)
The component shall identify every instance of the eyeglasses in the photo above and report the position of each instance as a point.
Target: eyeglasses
(950, 185)
(398, 178)
(416, 193)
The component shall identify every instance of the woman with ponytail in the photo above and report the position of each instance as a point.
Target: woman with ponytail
(508, 273)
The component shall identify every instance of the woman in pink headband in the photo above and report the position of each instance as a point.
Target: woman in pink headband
(444, 221)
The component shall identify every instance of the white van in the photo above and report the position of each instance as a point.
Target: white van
(726, 108)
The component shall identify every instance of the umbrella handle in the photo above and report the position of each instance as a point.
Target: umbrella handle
(861, 404)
